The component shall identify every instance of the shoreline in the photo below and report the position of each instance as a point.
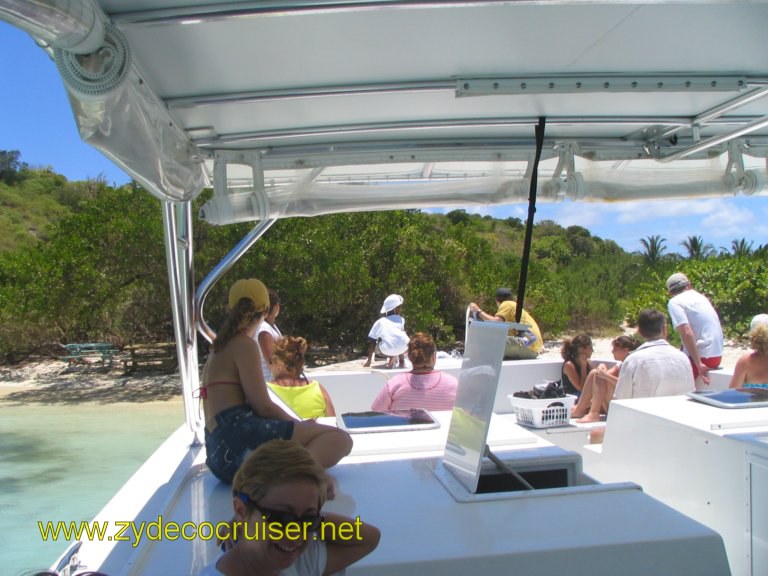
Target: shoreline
(50, 381)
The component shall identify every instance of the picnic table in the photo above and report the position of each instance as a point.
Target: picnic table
(89, 354)
(158, 356)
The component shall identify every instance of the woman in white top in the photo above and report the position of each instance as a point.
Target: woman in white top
(268, 334)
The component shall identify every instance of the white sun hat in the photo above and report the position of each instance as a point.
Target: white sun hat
(759, 320)
(391, 302)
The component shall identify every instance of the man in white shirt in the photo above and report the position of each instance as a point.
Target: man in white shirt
(656, 368)
(698, 324)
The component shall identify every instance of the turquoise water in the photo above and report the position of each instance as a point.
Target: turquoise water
(64, 462)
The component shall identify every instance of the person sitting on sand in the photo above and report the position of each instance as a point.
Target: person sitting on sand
(520, 345)
(751, 370)
(280, 486)
(307, 398)
(422, 387)
(576, 353)
(601, 383)
(239, 414)
(387, 335)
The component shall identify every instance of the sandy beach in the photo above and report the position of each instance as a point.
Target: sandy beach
(50, 381)
(732, 351)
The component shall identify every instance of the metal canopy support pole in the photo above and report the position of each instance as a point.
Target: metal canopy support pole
(221, 268)
(177, 226)
(529, 223)
(753, 126)
(220, 185)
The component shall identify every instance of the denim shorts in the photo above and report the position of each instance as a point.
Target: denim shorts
(239, 431)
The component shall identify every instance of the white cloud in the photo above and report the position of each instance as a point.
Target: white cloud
(480, 210)
(654, 210)
(716, 220)
(744, 218)
(731, 223)
(581, 214)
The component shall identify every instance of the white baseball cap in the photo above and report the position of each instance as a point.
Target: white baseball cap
(391, 302)
(677, 280)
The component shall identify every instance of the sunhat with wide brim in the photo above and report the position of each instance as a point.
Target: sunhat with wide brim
(391, 302)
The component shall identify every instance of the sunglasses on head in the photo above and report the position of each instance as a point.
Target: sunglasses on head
(312, 521)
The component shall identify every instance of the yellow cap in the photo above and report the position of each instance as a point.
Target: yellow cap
(251, 288)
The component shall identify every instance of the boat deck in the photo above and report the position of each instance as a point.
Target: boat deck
(426, 530)
(395, 480)
(709, 463)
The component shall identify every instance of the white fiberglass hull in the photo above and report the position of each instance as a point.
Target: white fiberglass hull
(390, 481)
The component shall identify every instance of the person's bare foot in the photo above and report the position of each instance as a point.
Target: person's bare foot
(589, 418)
(576, 414)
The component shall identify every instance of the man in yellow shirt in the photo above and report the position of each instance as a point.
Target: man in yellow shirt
(520, 345)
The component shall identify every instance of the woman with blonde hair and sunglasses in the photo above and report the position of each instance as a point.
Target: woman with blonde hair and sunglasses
(239, 414)
(278, 529)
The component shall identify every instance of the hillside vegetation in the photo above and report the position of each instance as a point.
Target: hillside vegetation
(83, 261)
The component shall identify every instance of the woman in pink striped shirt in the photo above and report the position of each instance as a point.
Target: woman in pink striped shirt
(422, 387)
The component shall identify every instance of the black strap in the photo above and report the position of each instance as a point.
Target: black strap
(529, 223)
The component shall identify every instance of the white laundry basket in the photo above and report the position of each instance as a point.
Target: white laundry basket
(543, 413)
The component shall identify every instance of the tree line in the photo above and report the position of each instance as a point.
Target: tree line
(87, 263)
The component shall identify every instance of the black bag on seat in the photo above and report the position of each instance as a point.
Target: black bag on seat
(552, 389)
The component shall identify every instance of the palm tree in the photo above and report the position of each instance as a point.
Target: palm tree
(740, 248)
(697, 249)
(653, 249)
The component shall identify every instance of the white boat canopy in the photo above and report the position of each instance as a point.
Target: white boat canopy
(305, 107)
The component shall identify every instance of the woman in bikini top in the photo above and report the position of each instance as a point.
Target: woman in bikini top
(751, 370)
(232, 376)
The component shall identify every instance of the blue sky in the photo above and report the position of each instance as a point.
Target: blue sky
(36, 117)
(37, 121)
